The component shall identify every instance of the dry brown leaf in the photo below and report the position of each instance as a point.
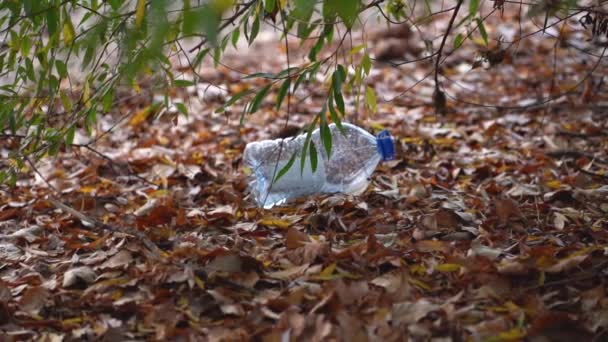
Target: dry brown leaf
(411, 312)
(295, 238)
(33, 299)
(118, 260)
(507, 210)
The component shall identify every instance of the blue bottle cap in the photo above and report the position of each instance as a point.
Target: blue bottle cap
(386, 147)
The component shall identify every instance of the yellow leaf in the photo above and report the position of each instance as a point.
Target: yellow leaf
(140, 116)
(418, 269)
(87, 189)
(136, 87)
(140, 12)
(512, 335)
(377, 126)
(116, 295)
(327, 272)
(554, 184)
(199, 282)
(420, 284)
(86, 95)
(68, 31)
(275, 222)
(447, 267)
(71, 321)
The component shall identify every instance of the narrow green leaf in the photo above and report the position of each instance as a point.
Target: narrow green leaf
(335, 117)
(52, 20)
(182, 83)
(326, 138)
(340, 102)
(367, 63)
(67, 104)
(286, 167)
(255, 29)
(458, 41)
(69, 135)
(298, 81)
(182, 108)
(370, 99)
(257, 100)
(482, 31)
(107, 100)
(307, 143)
(267, 75)
(233, 100)
(473, 7)
(313, 157)
(282, 92)
(236, 34)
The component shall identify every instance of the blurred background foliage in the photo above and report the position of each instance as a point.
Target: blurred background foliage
(112, 43)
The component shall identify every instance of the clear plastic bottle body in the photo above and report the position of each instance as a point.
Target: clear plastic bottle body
(354, 156)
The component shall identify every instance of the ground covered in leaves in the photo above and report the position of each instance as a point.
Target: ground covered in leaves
(490, 225)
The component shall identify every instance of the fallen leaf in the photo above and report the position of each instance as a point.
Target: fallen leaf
(73, 275)
(118, 260)
(33, 300)
(295, 238)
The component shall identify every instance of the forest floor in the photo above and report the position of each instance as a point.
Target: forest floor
(491, 224)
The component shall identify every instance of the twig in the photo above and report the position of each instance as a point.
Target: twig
(228, 22)
(445, 37)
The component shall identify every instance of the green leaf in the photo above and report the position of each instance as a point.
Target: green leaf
(326, 138)
(340, 102)
(356, 49)
(233, 100)
(30, 69)
(282, 92)
(313, 157)
(335, 117)
(267, 75)
(482, 31)
(52, 20)
(65, 101)
(235, 37)
(366, 62)
(182, 83)
(182, 108)
(370, 99)
(69, 135)
(473, 7)
(303, 10)
(458, 41)
(255, 29)
(307, 142)
(286, 167)
(107, 100)
(298, 81)
(257, 100)
(269, 6)
(347, 10)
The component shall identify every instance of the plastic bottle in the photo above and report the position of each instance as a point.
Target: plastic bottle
(355, 153)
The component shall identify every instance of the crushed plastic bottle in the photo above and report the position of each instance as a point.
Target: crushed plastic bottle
(355, 153)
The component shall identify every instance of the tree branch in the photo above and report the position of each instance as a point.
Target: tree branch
(445, 37)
